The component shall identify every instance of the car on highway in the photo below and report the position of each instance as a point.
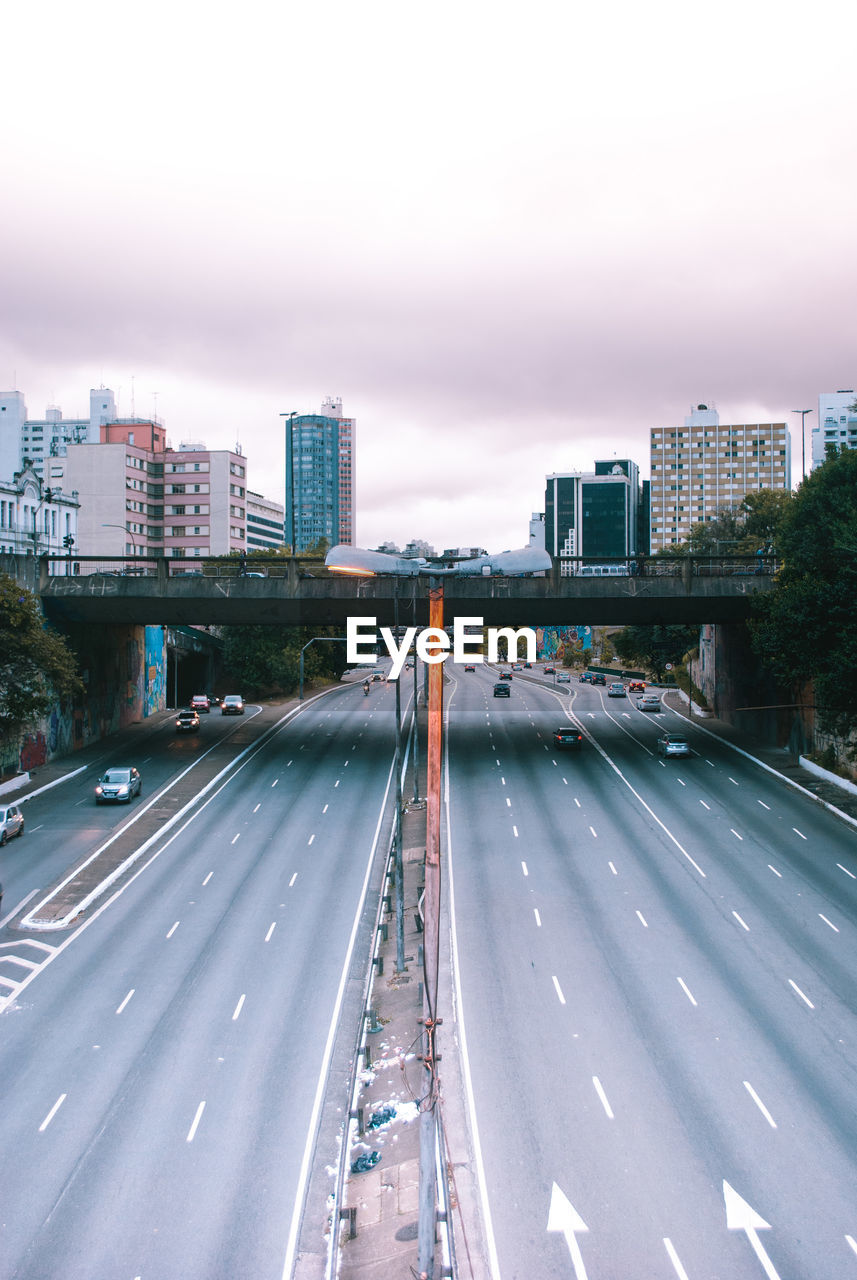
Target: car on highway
(528, 666)
(11, 822)
(567, 738)
(550, 671)
(232, 705)
(598, 678)
(673, 744)
(516, 666)
(502, 691)
(377, 675)
(187, 721)
(649, 702)
(119, 784)
(585, 677)
(616, 690)
(200, 702)
(563, 678)
(636, 686)
(469, 667)
(505, 675)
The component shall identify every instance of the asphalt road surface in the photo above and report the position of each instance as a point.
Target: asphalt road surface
(161, 1062)
(657, 972)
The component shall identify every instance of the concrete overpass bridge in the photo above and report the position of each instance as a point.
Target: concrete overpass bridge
(290, 592)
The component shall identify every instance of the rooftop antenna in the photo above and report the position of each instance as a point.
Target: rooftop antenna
(155, 395)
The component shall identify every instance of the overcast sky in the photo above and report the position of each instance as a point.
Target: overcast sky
(512, 237)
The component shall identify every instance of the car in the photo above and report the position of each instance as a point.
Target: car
(469, 667)
(563, 678)
(516, 666)
(377, 675)
(200, 702)
(636, 686)
(187, 722)
(505, 675)
(550, 671)
(616, 690)
(567, 738)
(528, 666)
(649, 702)
(586, 677)
(673, 744)
(502, 691)
(232, 705)
(120, 784)
(599, 678)
(11, 822)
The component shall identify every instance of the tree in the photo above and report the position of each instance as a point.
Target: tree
(37, 666)
(806, 627)
(654, 646)
(266, 659)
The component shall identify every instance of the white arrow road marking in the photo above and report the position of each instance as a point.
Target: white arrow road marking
(564, 1217)
(741, 1217)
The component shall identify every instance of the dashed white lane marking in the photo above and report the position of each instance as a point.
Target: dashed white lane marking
(686, 989)
(805, 999)
(258, 807)
(559, 990)
(54, 1109)
(196, 1120)
(704, 805)
(508, 803)
(735, 834)
(125, 1001)
(852, 1242)
(732, 780)
(239, 1006)
(681, 782)
(207, 878)
(674, 1259)
(502, 780)
(829, 922)
(525, 869)
(764, 806)
(847, 872)
(287, 766)
(594, 833)
(293, 879)
(775, 871)
(642, 920)
(172, 931)
(599, 1089)
(742, 923)
(236, 837)
(515, 831)
(336, 783)
(612, 868)
(276, 780)
(324, 810)
(538, 917)
(798, 833)
(312, 837)
(760, 1104)
(270, 931)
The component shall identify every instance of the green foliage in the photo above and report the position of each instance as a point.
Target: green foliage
(267, 659)
(753, 525)
(653, 647)
(806, 628)
(36, 664)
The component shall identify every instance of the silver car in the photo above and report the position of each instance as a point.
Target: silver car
(649, 702)
(673, 744)
(616, 690)
(11, 822)
(118, 784)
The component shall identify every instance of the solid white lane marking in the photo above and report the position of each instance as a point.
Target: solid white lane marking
(847, 872)
(642, 920)
(559, 990)
(760, 1104)
(239, 1006)
(312, 837)
(674, 1259)
(172, 931)
(293, 879)
(805, 999)
(775, 871)
(125, 1001)
(54, 1109)
(686, 989)
(735, 834)
(196, 1120)
(599, 1089)
(270, 931)
(742, 923)
(258, 807)
(524, 868)
(207, 878)
(798, 833)
(764, 806)
(830, 922)
(704, 805)
(234, 838)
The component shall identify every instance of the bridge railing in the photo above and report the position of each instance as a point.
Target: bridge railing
(176, 567)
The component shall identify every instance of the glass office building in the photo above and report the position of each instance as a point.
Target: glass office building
(319, 478)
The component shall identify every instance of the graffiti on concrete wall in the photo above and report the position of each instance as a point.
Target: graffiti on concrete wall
(550, 640)
(156, 671)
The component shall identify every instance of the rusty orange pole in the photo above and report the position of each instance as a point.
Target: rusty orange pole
(431, 955)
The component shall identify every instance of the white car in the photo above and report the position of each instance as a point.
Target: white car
(11, 822)
(563, 678)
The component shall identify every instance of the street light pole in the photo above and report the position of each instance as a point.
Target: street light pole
(126, 531)
(803, 413)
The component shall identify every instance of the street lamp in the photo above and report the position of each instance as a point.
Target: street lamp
(803, 413)
(124, 530)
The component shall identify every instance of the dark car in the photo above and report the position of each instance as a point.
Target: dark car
(586, 677)
(232, 705)
(187, 722)
(550, 671)
(469, 667)
(636, 686)
(567, 738)
(200, 702)
(598, 678)
(502, 691)
(118, 784)
(505, 675)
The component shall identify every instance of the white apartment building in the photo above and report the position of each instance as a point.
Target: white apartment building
(265, 523)
(36, 519)
(837, 424)
(33, 441)
(706, 465)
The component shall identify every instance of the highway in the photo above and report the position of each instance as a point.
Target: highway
(656, 968)
(161, 1061)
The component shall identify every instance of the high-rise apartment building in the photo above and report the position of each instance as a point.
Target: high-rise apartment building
(593, 514)
(705, 466)
(837, 424)
(320, 465)
(31, 442)
(264, 523)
